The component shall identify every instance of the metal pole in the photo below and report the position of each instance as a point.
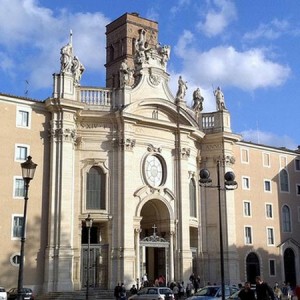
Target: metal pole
(221, 233)
(88, 265)
(21, 264)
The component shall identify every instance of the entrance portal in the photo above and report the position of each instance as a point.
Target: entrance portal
(252, 267)
(289, 266)
(154, 257)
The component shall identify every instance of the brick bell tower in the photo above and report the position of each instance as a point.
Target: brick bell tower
(121, 37)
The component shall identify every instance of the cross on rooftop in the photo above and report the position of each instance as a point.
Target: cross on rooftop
(154, 227)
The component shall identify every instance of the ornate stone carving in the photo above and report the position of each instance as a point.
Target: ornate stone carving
(70, 135)
(153, 56)
(229, 160)
(185, 152)
(151, 148)
(154, 79)
(213, 147)
(127, 144)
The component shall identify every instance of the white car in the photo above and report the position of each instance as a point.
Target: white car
(3, 294)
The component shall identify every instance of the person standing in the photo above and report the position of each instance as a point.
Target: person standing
(145, 280)
(123, 292)
(133, 290)
(246, 293)
(263, 290)
(176, 291)
(117, 291)
(277, 291)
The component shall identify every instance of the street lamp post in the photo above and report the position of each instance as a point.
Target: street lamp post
(88, 224)
(230, 184)
(28, 169)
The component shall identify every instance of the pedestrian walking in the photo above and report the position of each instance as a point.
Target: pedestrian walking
(246, 293)
(263, 290)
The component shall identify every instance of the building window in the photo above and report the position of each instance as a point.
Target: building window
(19, 187)
(248, 235)
(21, 152)
(298, 189)
(269, 211)
(247, 208)
(284, 180)
(245, 156)
(15, 260)
(266, 160)
(272, 267)
(286, 219)
(23, 117)
(18, 222)
(267, 185)
(193, 205)
(270, 236)
(297, 164)
(95, 189)
(246, 183)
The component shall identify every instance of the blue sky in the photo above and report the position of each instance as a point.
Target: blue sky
(250, 48)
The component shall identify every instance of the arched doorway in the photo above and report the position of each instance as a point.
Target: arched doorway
(289, 266)
(252, 267)
(155, 240)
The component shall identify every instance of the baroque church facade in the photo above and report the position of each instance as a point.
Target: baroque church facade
(129, 155)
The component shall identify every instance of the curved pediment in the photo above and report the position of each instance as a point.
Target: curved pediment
(160, 110)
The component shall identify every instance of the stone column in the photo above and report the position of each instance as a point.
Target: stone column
(137, 232)
(171, 256)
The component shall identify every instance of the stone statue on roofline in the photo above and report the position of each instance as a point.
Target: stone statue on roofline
(77, 69)
(141, 47)
(145, 54)
(220, 101)
(69, 63)
(66, 58)
(126, 74)
(197, 101)
(182, 87)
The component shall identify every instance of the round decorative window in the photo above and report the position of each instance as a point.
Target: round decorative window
(154, 171)
(15, 260)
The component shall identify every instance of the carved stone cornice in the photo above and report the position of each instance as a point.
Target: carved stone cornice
(63, 135)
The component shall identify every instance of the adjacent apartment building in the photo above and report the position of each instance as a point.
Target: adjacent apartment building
(129, 155)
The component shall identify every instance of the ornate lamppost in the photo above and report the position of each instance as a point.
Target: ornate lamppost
(28, 170)
(88, 225)
(229, 184)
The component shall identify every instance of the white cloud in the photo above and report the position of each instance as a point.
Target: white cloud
(26, 25)
(268, 138)
(270, 31)
(218, 18)
(180, 5)
(224, 65)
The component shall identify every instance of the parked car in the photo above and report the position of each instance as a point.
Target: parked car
(213, 292)
(153, 293)
(3, 294)
(235, 295)
(27, 293)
